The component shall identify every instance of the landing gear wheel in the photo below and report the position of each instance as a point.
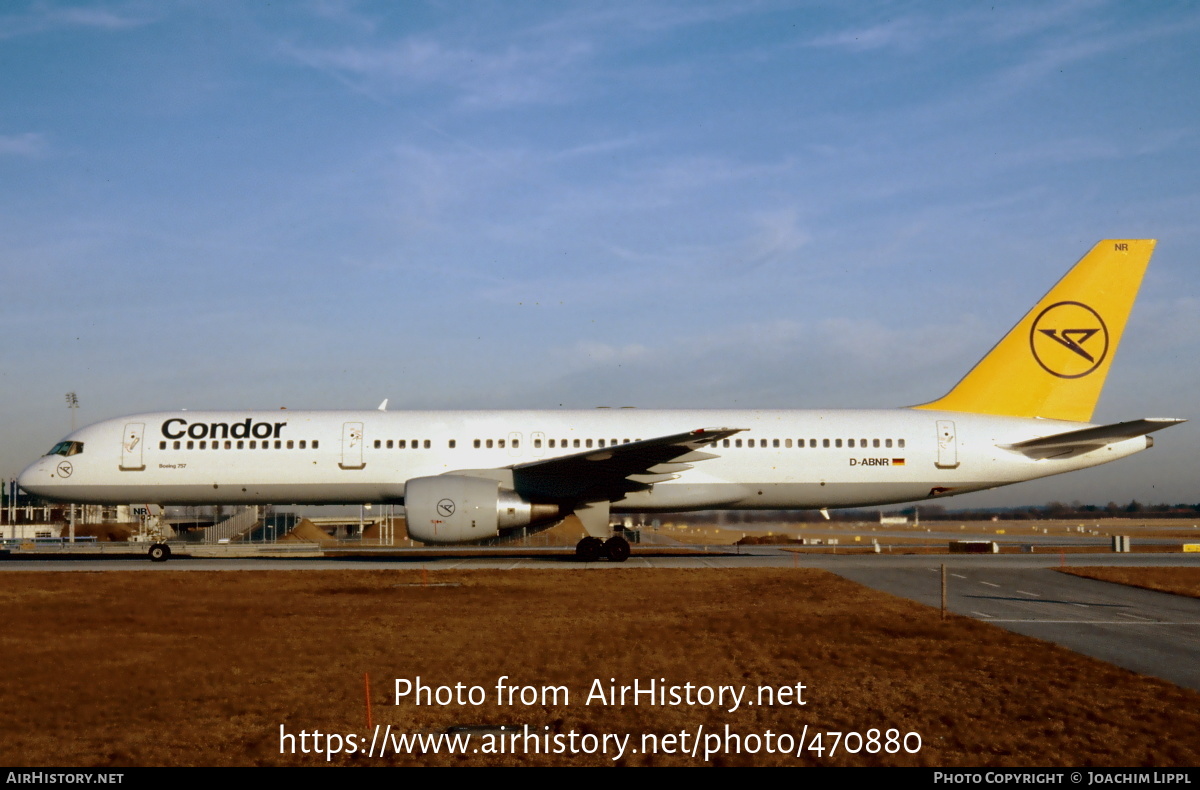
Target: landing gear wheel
(616, 549)
(159, 552)
(589, 549)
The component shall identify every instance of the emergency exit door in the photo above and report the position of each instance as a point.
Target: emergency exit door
(947, 445)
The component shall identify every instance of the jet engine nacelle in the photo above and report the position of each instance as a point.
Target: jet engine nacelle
(459, 509)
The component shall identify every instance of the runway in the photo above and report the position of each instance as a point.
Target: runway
(1151, 633)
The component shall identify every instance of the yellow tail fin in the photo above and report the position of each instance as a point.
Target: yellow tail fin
(1053, 363)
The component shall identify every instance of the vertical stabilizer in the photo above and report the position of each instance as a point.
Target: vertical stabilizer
(1053, 363)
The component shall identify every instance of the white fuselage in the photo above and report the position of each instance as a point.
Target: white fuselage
(781, 459)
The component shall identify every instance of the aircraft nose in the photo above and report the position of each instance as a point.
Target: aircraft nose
(33, 477)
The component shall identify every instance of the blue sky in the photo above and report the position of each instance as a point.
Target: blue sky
(477, 205)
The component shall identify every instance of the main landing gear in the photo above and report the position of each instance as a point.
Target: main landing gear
(590, 549)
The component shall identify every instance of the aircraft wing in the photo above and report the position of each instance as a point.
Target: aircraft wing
(1086, 439)
(607, 474)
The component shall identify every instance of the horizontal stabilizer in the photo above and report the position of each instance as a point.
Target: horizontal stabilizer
(1087, 439)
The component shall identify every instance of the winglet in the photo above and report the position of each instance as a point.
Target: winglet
(1053, 363)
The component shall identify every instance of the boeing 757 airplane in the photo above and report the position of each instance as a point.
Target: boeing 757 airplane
(1023, 412)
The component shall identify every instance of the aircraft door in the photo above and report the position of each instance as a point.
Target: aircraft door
(947, 457)
(352, 446)
(131, 448)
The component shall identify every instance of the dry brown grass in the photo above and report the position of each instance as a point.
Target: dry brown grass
(1180, 581)
(919, 533)
(200, 668)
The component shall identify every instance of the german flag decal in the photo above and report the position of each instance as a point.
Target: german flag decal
(897, 462)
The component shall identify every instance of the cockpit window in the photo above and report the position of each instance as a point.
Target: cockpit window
(67, 448)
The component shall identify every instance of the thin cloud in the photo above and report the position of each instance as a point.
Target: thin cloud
(509, 76)
(899, 33)
(29, 144)
(43, 17)
(777, 236)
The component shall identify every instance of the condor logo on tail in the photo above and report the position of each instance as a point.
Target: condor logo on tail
(1069, 340)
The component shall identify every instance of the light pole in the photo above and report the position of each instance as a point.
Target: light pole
(72, 404)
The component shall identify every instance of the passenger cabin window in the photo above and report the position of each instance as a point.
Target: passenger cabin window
(451, 444)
